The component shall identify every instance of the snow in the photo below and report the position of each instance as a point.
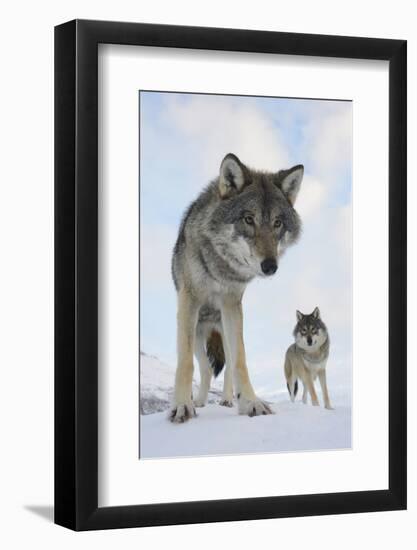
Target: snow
(220, 430)
(157, 384)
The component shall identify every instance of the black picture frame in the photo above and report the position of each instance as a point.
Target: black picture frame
(76, 272)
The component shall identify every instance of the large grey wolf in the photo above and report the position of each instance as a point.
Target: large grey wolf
(236, 229)
(307, 357)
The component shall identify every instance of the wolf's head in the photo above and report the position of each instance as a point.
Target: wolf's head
(310, 332)
(257, 210)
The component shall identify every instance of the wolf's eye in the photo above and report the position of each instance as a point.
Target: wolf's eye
(249, 220)
(277, 223)
(303, 331)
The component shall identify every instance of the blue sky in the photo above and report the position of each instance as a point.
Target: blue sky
(183, 138)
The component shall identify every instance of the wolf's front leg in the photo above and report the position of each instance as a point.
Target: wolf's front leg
(305, 393)
(310, 387)
(182, 407)
(232, 319)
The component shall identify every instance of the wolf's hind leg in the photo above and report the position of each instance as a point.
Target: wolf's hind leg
(227, 397)
(205, 371)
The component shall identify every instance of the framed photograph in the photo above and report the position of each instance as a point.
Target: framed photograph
(230, 256)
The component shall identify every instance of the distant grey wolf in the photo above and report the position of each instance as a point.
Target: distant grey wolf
(235, 230)
(307, 357)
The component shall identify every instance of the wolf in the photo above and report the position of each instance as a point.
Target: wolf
(307, 357)
(237, 229)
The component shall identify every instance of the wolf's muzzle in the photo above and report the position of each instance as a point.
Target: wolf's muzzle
(269, 266)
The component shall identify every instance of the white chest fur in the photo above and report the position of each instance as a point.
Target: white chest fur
(315, 367)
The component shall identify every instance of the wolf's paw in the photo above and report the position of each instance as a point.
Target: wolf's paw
(329, 407)
(226, 403)
(254, 407)
(315, 404)
(181, 412)
(199, 402)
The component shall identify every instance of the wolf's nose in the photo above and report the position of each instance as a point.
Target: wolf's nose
(309, 340)
(269, 266)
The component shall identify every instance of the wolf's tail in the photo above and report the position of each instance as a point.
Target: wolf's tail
(295, 388)
(292, 381)
(215, 352)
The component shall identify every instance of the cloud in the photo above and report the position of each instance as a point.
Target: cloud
(157, 293)
(311, 196)
(328, 142)
(215, 125)
(156, 246)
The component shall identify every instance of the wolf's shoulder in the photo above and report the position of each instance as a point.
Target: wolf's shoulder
(292, 350)
(207, 196)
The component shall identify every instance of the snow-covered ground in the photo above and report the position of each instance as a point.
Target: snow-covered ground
(219, 430)
(157, 384)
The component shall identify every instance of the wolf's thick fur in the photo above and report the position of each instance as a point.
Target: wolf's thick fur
(307, 358)
(235, 230)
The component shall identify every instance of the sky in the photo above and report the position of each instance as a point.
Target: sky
(183, 139)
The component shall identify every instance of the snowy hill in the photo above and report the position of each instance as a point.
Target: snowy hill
(219, 430)
(157, 384)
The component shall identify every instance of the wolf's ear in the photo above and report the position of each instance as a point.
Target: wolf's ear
(289, 181)
(299, 315)
(316, 313)
(233, 176)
